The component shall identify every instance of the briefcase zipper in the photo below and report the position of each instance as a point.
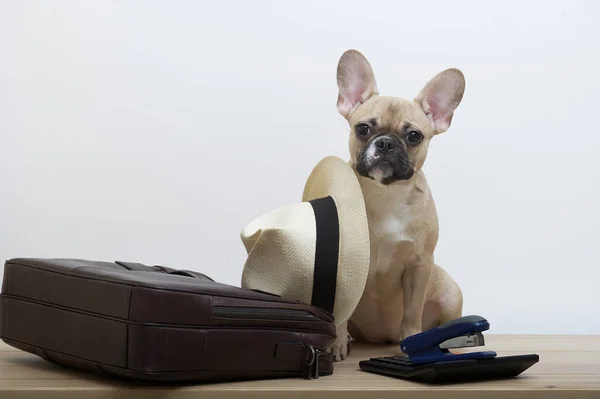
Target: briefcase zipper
(263, 313)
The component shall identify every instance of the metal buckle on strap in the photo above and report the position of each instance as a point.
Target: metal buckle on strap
(313, 363)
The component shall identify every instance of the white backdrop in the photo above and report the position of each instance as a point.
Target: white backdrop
(153, 131)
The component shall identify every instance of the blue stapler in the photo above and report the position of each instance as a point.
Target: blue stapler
(433, 345)
(429, 357)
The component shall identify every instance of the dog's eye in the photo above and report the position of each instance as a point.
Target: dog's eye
(414, 136)
(363, 129)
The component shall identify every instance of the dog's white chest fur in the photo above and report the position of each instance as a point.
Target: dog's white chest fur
(389, 215)
(388, 212)
(390, 225)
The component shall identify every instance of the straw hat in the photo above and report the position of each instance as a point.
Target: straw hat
(317, 250)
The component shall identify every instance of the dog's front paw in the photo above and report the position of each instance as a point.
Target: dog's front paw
(408, 331)
(340, 349)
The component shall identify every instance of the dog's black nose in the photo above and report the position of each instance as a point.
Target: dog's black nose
(386, 145)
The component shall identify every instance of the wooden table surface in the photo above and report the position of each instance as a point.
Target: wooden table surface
(569, 367)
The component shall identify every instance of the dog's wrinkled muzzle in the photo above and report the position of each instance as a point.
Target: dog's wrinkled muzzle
(385, 159)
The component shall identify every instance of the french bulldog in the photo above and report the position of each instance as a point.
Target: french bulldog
(406, 291)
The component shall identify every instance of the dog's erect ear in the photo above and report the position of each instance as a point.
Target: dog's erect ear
(440, 97)
(356, 81)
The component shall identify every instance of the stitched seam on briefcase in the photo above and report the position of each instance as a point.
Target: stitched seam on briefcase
(299, 365)
(205, 348)
(127, 328)
(137, 323)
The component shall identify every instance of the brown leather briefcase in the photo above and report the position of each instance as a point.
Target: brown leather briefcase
(156, 323)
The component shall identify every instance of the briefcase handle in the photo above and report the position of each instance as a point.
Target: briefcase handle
(140, 267)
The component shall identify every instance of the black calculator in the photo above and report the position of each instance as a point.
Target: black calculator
(450, 371)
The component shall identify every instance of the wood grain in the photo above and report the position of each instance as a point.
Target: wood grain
(569, 367)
